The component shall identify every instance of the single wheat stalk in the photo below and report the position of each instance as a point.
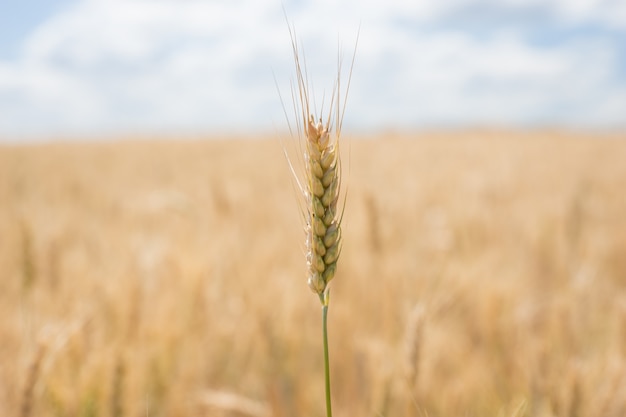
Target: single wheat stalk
(413, 340)
(28, 392)
(117, 388)
(320, 186)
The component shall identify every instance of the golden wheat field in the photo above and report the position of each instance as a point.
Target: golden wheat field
(482, 274)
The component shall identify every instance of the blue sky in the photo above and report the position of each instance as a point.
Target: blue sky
(106, 67)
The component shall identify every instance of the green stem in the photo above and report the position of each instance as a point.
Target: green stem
(329, 411)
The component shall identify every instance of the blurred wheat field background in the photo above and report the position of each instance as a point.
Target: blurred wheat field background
(482, 274)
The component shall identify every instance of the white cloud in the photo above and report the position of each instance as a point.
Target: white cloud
(165, 64)
(108, 64)
(608, 12)
(453, 79)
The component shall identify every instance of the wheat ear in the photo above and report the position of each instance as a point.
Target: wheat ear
(321, 183)
(320, 186)
(323, 226)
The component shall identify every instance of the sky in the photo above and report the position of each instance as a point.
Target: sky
(105, 67)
